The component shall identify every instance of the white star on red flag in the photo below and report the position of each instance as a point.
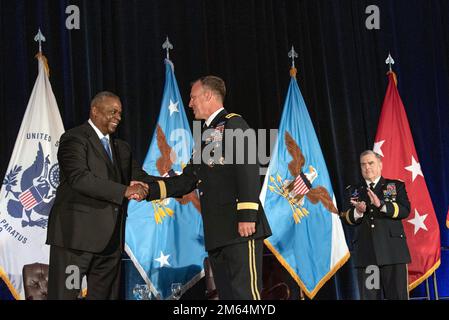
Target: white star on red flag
(418, 221)
(377, 147)
(394, 141)
(415, 169)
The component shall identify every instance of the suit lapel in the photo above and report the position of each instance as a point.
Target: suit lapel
(97, 146)
(117, 160)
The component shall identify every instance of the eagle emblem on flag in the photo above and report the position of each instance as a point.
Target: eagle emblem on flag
(36, 184)
(295, 191)
(164, 166)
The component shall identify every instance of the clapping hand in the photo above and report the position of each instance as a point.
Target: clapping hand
(137, 190)
(360, 206)
(374, 198)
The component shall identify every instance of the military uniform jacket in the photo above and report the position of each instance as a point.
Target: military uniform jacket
(228, 186)
(380, 238)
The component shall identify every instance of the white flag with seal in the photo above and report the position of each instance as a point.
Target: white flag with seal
(29, 186)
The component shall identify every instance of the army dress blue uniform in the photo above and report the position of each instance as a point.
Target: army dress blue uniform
(380, 239)
(229, 194)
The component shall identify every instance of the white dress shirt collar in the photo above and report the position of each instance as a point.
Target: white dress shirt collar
(212, 116)
(375, 182)
(97, 131)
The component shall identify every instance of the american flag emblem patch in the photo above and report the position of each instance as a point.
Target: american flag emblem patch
(30, 198)
(301, 185)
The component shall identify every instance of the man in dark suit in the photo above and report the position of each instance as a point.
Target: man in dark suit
(229, 184)
(86, 223)
(377, 207)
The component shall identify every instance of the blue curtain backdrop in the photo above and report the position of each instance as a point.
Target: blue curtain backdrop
(341, 72)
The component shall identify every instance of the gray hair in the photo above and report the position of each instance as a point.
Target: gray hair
(101, 95)
(367, 152)
(215, 84)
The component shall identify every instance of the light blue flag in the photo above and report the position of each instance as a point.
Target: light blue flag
(299, 202)
(164, 239)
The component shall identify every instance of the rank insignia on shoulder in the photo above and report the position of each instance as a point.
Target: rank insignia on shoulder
(232, 115)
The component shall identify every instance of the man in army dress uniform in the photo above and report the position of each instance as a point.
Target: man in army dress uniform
(234, 221)
(377, 206)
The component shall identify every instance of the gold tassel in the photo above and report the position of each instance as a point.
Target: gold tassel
(293, 72)
(38, 56)
(394, 77)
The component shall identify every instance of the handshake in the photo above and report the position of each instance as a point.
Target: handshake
(137, 190)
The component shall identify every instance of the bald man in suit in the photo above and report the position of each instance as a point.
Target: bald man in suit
(86, 225)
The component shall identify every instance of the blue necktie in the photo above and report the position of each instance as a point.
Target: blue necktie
(105, 142)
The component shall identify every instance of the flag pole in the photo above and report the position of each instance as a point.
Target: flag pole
(293, 54)
(390, 62)
(167, 46)
(40, 38)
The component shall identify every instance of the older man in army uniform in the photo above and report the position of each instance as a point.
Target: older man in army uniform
(377, 206)
(234, 221)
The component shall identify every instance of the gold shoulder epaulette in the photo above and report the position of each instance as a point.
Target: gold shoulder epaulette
(232, 115)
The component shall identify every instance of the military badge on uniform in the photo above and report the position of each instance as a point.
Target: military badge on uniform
(390, 190)
(217, 135)
(355, 195)
(359, 194)
(208, 139)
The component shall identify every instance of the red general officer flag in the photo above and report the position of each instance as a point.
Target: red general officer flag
(394, 142)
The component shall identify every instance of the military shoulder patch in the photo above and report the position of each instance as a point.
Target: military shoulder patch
(232, 115)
